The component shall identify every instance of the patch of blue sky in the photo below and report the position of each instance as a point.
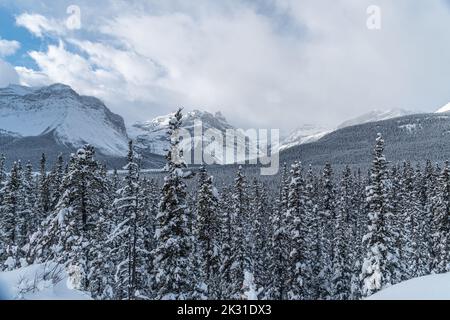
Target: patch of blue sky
(28, 42)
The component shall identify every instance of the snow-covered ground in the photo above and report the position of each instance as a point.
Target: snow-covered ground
(433, 287)
(38, 282)
(50, 282)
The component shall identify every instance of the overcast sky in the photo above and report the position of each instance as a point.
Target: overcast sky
(263, 63)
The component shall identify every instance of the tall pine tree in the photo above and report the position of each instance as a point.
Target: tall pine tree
(173, 277)
(379, 263)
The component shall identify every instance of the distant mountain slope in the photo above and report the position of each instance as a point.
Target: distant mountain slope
(414, 137)
(312, 133)
(304, 134)
(375, 115)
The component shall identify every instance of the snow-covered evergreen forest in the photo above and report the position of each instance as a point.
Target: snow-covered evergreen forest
(327, 235)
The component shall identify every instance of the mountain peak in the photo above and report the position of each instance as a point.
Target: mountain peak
(19, 90)
(220, 116)
(59, 87)
(56, 89)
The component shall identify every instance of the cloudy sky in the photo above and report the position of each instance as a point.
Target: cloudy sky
(263, 63)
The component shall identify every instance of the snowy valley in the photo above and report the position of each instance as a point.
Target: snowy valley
(224, 159)
(363, 221)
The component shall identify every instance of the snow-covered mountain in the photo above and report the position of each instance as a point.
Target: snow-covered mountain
(304, 134)
(56, 119)
(59, 112)
(375, 115)
(311, 133)
(444, 109)
(417, 137)
(150, 136)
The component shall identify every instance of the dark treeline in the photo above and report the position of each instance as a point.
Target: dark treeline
(328, 235)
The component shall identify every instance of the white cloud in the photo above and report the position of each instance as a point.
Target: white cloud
(7, 74)
(218, 62)
(61, 65)
(8, 47)
(137, 73)
(32, 78)
(39, 25)
(295, 61)
(123, 80)
(351, 69)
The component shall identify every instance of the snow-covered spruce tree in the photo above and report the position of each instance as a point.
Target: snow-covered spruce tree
(298, 229)
(115, 182)
(440, 223)
(43, 189)
(421, 226)
(28, 221)
(327, 215)
(278, 287)
(149, 195)
(342, 255)
(272, 211)
(379, 262)
(101, 265)
(396, 225)
(428, 198)
(3, 177)
(173, 277)
(10, 224)
(2, 170)
(208, 230)
(241, 246)
(55, 181)
(284, 189)
(312, 289)
(226, 244)
(128, 238)
(359, 226)
(70, 232)
(103, 260)
(279, 264)
(408, 232)
(260, 215)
